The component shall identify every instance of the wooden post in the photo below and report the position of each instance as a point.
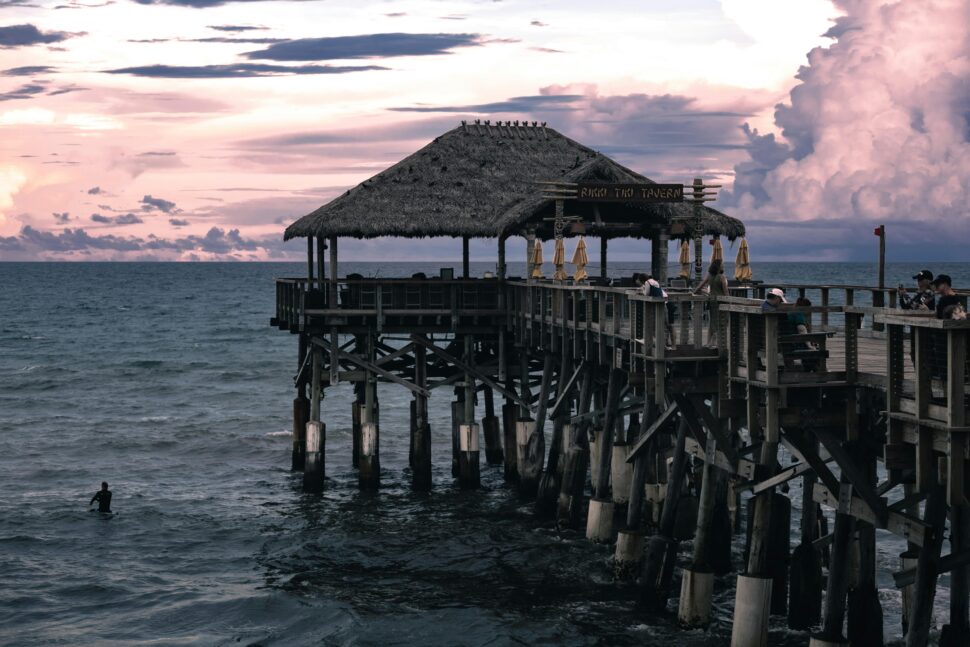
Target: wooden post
(530, 241)
(469, 465)
(549, 485)
(309, 262)
(510, 416)
(576, 462)
(535, 447)
(333, 272)
(661, 552)
(959, 627)
(491, 430)
(927, 568)
(599, 520)
(465, 265)
(321, 263)
(369, 471)
(603, 246)
(421, 460)
(313, 470)
(301, 411)
(805, 592)
(502, 269)
(838, 580)
(697, 585)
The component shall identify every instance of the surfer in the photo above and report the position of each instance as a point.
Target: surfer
(103, 497)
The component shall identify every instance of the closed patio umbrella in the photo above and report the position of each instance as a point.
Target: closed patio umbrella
(684, 260)
(742, 264)
(537, 260)
(580, 260)
(559, 260)
(718, 253)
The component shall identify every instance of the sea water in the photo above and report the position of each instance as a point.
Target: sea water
(167, 381)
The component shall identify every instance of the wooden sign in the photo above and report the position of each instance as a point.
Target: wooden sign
(638, 193)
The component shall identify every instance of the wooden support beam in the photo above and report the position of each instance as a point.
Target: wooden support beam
(801, 449)
(645, 437)
(715, 427)
(854, 474)
(564, 392)
(457, 363)
(949, 562)
(373, 368)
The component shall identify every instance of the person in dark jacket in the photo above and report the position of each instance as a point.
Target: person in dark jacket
(103, 497)
(924, 299)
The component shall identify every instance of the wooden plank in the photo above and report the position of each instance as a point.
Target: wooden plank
(565, 392)
(898, 523)
(947, 564)
(852, 472)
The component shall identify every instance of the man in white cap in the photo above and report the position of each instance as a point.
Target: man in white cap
(773, 298)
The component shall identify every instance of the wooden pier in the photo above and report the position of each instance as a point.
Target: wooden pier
(643, 419)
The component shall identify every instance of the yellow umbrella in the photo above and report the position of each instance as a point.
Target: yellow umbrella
(684, 260)
(742, 264)
(718, 253)
(559, 259)
(537, 260)
(580, 260)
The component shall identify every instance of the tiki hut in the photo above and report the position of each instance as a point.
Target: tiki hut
(482, 180)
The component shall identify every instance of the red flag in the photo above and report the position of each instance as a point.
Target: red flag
(877, 231)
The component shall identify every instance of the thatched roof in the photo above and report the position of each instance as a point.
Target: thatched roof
(481, 181)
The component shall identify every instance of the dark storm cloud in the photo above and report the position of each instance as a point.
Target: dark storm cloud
(97, 217)
(215, 241)
(527, 104)
(27, 70)
(365, 46)
(62, 218)
(26, 35)
(178, 222)
(128, 219)
(236, 28)
(16, 3)
(151, 204)
(27, 91)
(236, 70)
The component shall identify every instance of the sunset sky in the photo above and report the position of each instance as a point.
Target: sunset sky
(197, 129)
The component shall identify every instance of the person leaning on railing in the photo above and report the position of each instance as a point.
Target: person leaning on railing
(717, 285)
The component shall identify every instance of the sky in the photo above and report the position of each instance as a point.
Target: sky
(198, 129)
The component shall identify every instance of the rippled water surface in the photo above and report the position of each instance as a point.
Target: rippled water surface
(167, 381)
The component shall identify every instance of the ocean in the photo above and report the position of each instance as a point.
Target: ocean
(167, 381)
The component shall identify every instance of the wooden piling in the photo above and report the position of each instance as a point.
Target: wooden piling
(549, 485)
(421, 455)
(369, 470)
(301, 416)
(958, 629)
(534, 452)
(661, 548)
(313, 469)
(927, 568)
(576, 460)
(469, 476)
(697, 585)
(599, 522)
(805, 592)
(491, 431)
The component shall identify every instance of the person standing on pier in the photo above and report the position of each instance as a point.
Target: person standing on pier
(103, 497)
(718, 284)
(948, 300)
(924, 299)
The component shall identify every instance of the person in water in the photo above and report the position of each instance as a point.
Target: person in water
(103, 497)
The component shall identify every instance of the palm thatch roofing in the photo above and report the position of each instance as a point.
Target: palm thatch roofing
(481, 180)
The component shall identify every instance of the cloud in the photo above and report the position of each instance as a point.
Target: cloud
(27, 70)
(62, 218)
(237, 28)
(396, 14)
(226, 39)
(95, 190)
(876, 130)
(178, 222)
(365, 46)
(128, 219)
(538, 23)
(525, 104)
(27, 91)
(26, 35)
(135, 165)
(152, 204)
(97, 217)
(217, 242)
(236, 70)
